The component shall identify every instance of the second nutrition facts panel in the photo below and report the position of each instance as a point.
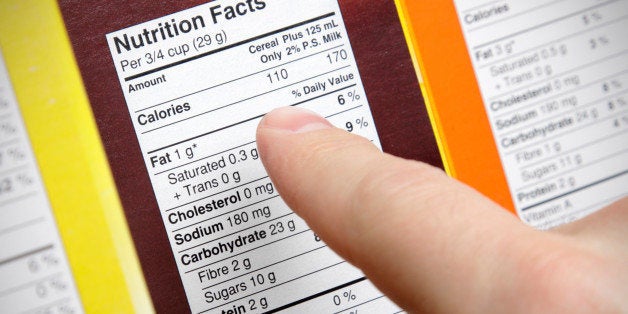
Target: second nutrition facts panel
(197, 83)
(554, 79)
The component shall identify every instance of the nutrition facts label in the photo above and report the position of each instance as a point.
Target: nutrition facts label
(554, 78)
(197, 83)
(34, 272)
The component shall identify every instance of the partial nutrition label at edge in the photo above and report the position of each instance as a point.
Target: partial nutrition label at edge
(554, 78)
(34, 273)
(197, 83)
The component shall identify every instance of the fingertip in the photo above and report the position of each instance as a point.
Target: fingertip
(284, 138)
(294, 120)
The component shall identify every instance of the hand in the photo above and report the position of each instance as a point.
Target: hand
(431, 243)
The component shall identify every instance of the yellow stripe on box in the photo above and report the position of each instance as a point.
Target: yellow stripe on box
(70, 156)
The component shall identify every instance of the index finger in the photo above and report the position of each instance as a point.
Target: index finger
(409, 227)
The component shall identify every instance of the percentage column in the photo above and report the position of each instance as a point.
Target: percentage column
(346, 298)
(24, 180)
(44, 263)
(360, 122)
(51, 287)
(621, 121)
(16, 154)
(591, 18)
(598, 42)
(12, 184)
(11, 157)
(612, 85)
(7, 129)
(35, 277)
(352, 95)
(294, 49)
(4, 105)
(618, 103)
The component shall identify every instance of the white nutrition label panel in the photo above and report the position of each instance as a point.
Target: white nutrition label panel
(34, 272)
(554, 78)
(196, 84)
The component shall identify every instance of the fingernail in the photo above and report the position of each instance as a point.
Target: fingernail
(294, 119)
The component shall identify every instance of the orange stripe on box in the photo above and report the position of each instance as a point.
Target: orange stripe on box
(454, 97)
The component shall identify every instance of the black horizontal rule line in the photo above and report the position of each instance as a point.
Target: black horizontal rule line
(203, 158)
(590, 185)
(246, 120)
(26, 254)
(209, 133)
(344, 111)
(357, 305)
(244, 42)
(244, 100)
(314, 296)
(238, 78)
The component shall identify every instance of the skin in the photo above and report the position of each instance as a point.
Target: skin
(431, 243)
